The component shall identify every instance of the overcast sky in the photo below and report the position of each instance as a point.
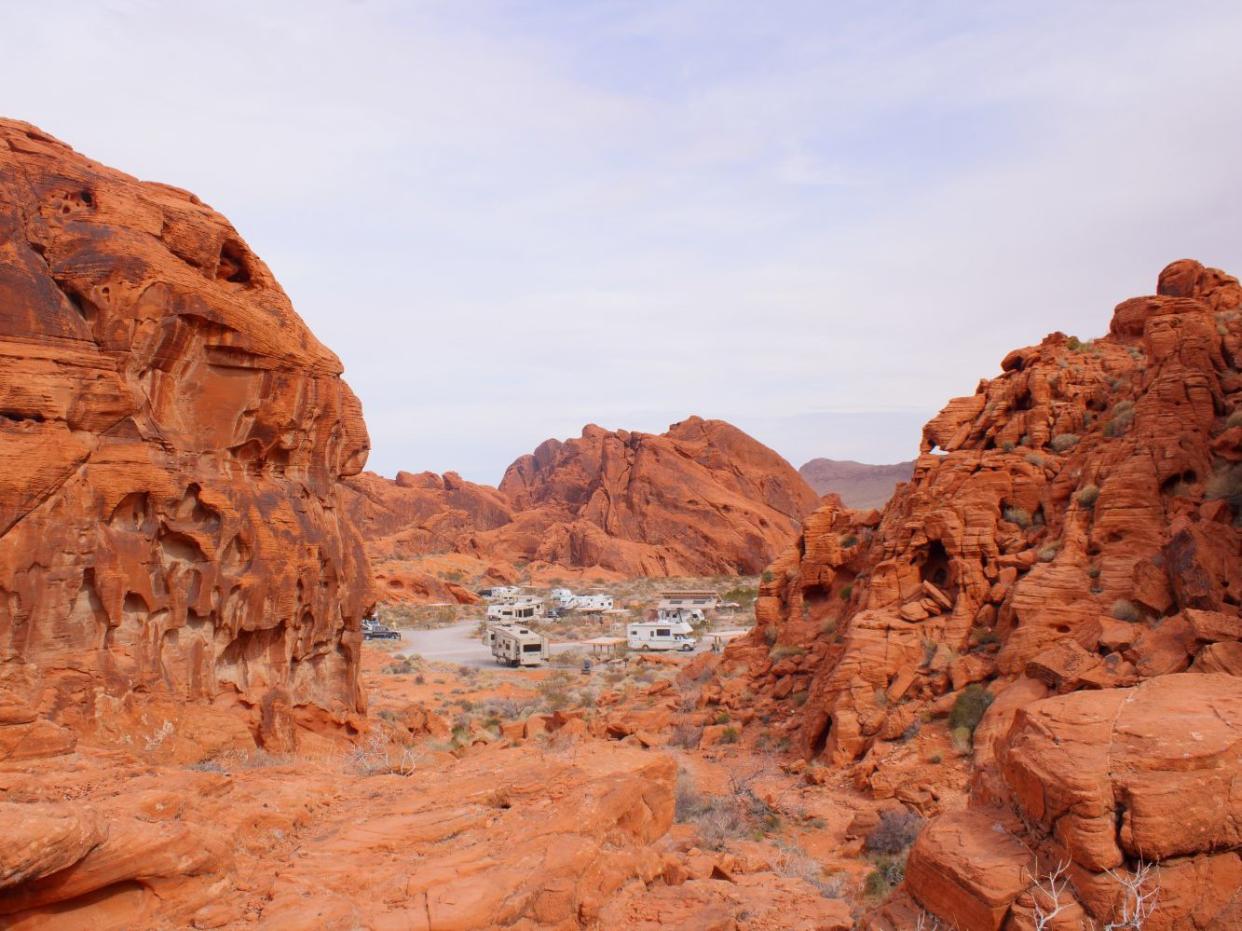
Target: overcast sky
(816, 220)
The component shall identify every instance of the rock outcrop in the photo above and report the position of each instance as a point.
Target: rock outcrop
(857, 484)
(702, 499)
(1066, 564)
(172, 438)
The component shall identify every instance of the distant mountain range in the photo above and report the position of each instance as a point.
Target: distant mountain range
(860, 485)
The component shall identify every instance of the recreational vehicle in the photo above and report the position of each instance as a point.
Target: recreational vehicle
(563, 597)
(515, 611)
(516, 645)
(660, 636)
(672, 615)
(703, 601)
(593, 602)
(500, 592)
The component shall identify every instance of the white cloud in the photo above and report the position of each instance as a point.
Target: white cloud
(511, 219)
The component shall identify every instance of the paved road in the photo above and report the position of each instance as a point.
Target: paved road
(460, 643)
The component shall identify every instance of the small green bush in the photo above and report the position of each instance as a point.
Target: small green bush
(730, 735)
(1227, 485)
(847, 592)
(848, 540)
(1035, 459)
(1049, 553)
(969, 707)
(1087, 496)
(1124, 610)
(1007, 446)
(1063, 442)
(768, 575)
(1019, 516)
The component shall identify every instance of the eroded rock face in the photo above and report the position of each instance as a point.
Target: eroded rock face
(1072, 529)
(171, 442)
(702, 499)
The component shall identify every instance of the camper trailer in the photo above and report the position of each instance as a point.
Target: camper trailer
(660, 636)
(671, 615)
(515, 611)
(563, 597)
(515, 645)
(593, 602)
(702, 601)
(500, 592)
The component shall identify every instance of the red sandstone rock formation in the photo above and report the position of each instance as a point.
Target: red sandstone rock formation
(702, 499)
(1071, 540)
(171, 441)
(857, 484)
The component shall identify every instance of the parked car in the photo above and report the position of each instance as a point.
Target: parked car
(372, 629)
(556, 612)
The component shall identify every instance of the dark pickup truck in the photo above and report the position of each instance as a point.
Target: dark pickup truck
(374, 630)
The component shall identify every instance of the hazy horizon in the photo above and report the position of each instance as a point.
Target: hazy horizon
(818, 221)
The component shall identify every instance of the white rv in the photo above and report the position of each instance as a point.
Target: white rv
(669, 615)
(593, 602)
(501, 592)
(515, 611)
(563, 597)
(515, 645)
(660, 636)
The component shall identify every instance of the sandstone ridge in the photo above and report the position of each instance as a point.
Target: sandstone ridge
(1067, 556)
(701, 499)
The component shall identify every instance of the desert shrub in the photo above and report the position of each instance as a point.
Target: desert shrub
(206, 766)
(1019, 516)
(420, 679)
(1034, 459)
(935, 758)
(1088, 495)
(769, 635)
(797, 865)
(400, 667)
(686, 736)
(721, 717)
(1007, 446)
(743, 595)
(1227, 485)
(887, 875)
(1125, 610)
(1048, 553)
(1064, 442)
(847, 592)
(1120, 420)
(848, 540)
(375, 757)
(895, 832)
(768, 575)
(911, 731)
(730, 735)
(1234, 419)
(969, 707)
(554, 690)
(785, 650)
(800, 698)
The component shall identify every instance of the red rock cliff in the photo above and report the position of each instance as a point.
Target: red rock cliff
(171, 441)
(702, 499)
(1071, 541)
